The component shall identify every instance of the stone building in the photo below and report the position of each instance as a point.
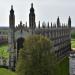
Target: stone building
(3, 35)
(58, 33)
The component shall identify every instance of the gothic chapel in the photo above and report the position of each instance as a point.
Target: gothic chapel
(58, 33)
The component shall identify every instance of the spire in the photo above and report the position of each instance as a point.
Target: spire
(69, 22)
(58, 22)
(12, 11)
(20, 22)
(51, 24)
(12, 18)
(48, 24)
(32, 9)
(31, 5)
(32, 23)
(39, 25)
(43, 24)
(26, 24)
(11, 6)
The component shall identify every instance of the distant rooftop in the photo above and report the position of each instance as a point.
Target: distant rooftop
(4, 27)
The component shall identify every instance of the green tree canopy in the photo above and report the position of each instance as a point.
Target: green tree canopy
(73, 35)
(4, 54)
(36, 58)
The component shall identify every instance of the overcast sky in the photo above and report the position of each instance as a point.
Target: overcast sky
(45, 10)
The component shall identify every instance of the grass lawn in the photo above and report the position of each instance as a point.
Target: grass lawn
(73, 43)
(6, 72)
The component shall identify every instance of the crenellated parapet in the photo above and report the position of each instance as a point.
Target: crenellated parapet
(56, 24)
(21, 27)
(52, 25)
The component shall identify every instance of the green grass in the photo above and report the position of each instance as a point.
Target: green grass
(6, 72)
(73, 43)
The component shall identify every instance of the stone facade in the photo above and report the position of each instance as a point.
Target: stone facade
(3, 35)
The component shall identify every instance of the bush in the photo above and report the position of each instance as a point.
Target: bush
(36, 58)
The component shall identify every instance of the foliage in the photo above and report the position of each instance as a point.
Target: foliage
(36, 58)
(72, 43)
(63, 67)
(73, 35)
(4, 54)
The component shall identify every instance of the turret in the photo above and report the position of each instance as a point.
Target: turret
(11, 40)
(69, 22)
(12, 18)
(48, 24)
(58, 22)
(32, 17)
(39, 25)
(51, 24)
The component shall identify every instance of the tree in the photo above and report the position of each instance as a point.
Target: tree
(73, 35)
(4, 54)
(36, 58)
